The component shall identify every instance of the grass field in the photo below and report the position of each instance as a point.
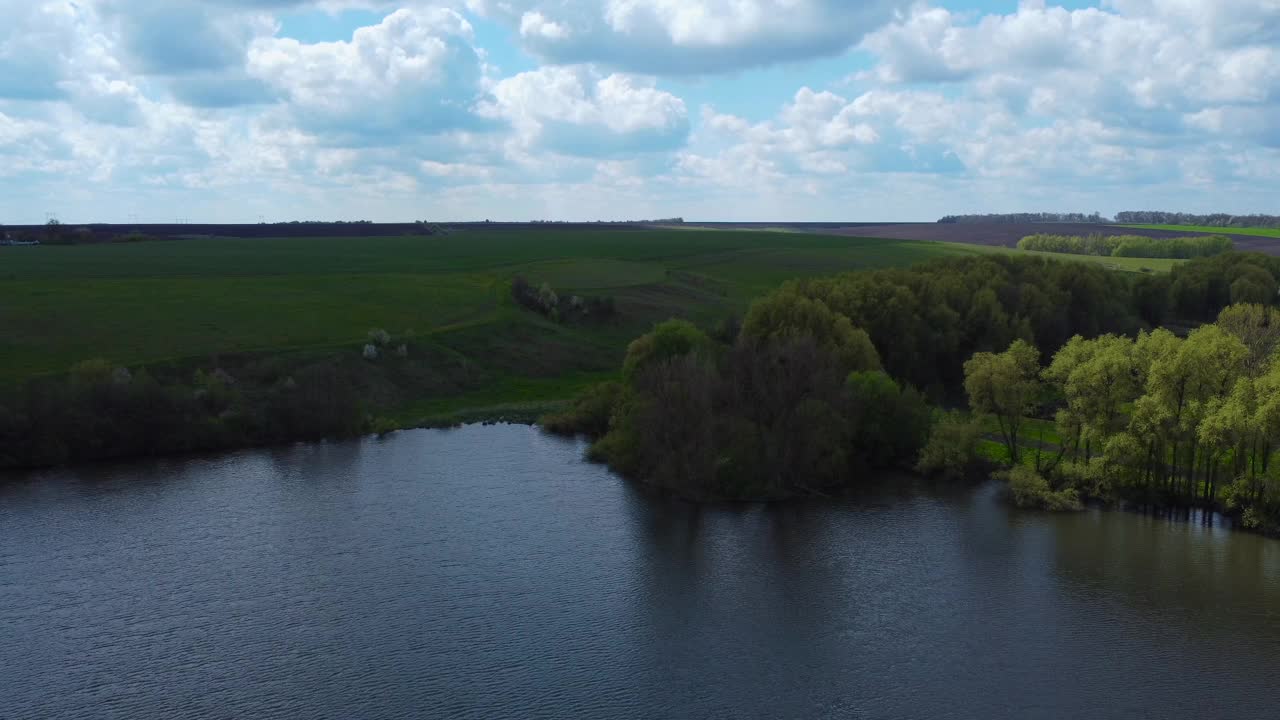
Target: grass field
(1252, 232)
(186, 301)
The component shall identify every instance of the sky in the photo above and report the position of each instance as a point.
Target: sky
(749, 110)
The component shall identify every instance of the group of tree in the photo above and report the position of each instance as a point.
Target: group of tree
(796, 405)
(1134, 246)
(545, 301)
(101, 411)
(818, 386)
(927, 320)
(1152, 217)
(1155, 418)
(1128, 217)
(1041, 217)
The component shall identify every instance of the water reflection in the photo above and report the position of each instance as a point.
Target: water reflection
(491, 573)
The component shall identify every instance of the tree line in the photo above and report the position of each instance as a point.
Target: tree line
(1225, 220)
(1041, 217)
(1155, 418)
(829, 378)
(1134, 246)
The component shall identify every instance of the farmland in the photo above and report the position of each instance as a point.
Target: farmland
(181, 303)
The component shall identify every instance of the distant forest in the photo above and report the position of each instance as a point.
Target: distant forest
(1018, 218)
(1149, 217)
(1128, 217)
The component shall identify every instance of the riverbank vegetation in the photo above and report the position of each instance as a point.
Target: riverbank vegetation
(1133, 246)
(1156, 419)
(828, 378)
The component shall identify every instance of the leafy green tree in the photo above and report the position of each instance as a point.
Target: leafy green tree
(1098, 380)
(1005, 386)
(670, 339)
(952, 449)
(1258, 327)
(787, 315)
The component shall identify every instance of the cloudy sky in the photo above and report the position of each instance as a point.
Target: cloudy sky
(235, 110)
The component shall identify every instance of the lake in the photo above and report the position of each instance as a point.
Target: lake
(489, 572)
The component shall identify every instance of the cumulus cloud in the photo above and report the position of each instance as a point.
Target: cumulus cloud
(45, 44)
(205, 101)
(416, 71)
(1112, 81)
(579, 111)
(688, 36)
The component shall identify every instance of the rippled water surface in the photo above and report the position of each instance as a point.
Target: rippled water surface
(488, 572)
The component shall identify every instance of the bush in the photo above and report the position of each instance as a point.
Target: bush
(952, 449)
(589, 414)
(1030, 490)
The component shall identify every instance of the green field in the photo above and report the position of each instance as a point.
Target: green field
(182, 303)
(1208, 230)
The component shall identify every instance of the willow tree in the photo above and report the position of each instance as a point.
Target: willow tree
(1258, 327)
(1183, 380)
(1005, 386)
(1098, 379)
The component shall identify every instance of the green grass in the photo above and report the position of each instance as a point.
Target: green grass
(1256, 232)
(48, 325)
(593, 274)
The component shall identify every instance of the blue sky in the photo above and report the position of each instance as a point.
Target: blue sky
(232, 110)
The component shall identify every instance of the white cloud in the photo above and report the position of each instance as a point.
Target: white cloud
(534, 24)
(415, 72)
(579, 111)
(1143, 102)
(688, 36)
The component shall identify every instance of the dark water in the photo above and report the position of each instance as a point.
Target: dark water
(489, 573)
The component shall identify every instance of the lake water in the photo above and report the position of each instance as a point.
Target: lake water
(488, 572)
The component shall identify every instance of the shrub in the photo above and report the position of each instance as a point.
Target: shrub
(589, 415)
(952, 449)
(379, 337)
(1030, 490)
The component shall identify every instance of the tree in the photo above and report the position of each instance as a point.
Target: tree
(787, 315)
(1006, 387)
(1098, 380)
(673, 338)
(53, 231)
(1258, 327)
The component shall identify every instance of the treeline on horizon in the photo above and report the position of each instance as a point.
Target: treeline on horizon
(829, 379)
(1019, 218)
(1224, 220)
(1128, 217)
(1133, 246)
